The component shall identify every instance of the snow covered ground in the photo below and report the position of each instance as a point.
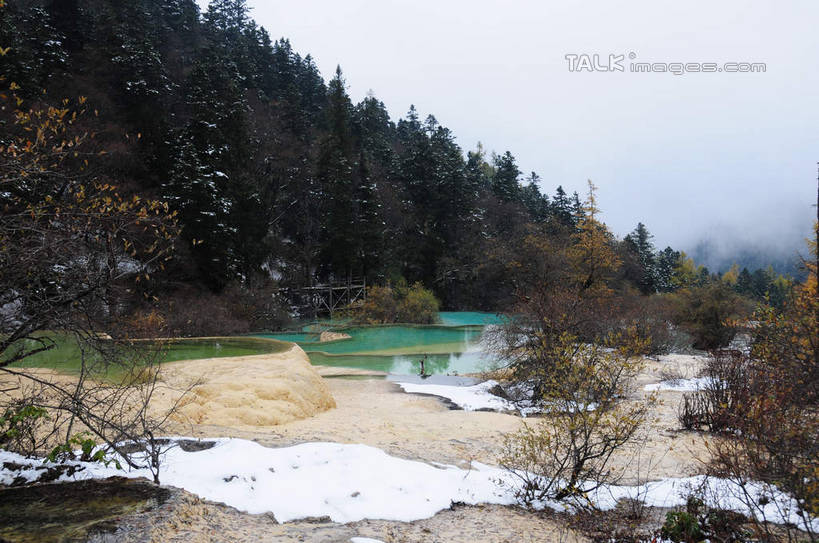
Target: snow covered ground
(680, 385)
(344, 482)
(477, 397)
(468, 398)
(353, 482)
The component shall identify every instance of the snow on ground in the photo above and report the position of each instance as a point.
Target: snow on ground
(772, 504)
(681, 385)
(469, 398)
(344, 482)
(353, 482)
(476, 397)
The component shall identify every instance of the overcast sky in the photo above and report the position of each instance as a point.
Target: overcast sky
(690, 155)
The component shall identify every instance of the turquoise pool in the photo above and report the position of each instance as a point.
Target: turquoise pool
(453, 346)
(405, 364)
(470, 318)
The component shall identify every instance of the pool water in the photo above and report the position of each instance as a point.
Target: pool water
(469, 318)
(452, 347)
(194, 349)
(405, 364)
(67, 355)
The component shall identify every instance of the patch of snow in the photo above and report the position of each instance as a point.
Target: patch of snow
(470, 398)
(681, 385)
(33, 469)
(478, 397)
(772, 504)
(349, 483)
(365, 540)
(344, 482)
(129, 265)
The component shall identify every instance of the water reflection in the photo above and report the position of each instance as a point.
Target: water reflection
(455, 363)
(453, 348)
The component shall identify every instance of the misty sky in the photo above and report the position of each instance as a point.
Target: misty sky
(690, 155)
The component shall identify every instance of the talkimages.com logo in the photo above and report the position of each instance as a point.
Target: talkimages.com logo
(629, 63)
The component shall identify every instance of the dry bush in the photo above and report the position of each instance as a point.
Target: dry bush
(201, 314)
(380, 306)
(651, 318)
(673, 374)
(189, 312)
(566, 455)
(400, 304)
(107, 402)
(693, 412)
(708, 313)
(718, 405)
(767, 405)
(260, 306)
(144, 324)
(417, 304)
(72, 246)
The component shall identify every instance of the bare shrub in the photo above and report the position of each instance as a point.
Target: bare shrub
(671, 374)
(766, 403)
(567, 454)
(108, 400)
(650, 317)
(72, 247)
(192, 314)
(717, 405)
(693, 411)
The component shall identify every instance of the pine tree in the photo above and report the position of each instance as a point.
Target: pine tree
(335, 171)
(193, 189)
(505, 182)
(368, 234)
(760, 282)
(667, 260)
(562, 209)
(744, 283)
(639, 243)
(537, 204)
(478, 171)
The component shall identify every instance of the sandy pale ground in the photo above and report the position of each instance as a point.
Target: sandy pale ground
(280, 400)
(378, 413)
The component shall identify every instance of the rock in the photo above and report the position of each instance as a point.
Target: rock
(332, 336)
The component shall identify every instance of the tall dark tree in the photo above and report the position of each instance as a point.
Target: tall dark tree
(537, 204)
(505, 181)
(639, 244)
(562, 209)
(336, 171)
(745, 283)
(667, 260)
